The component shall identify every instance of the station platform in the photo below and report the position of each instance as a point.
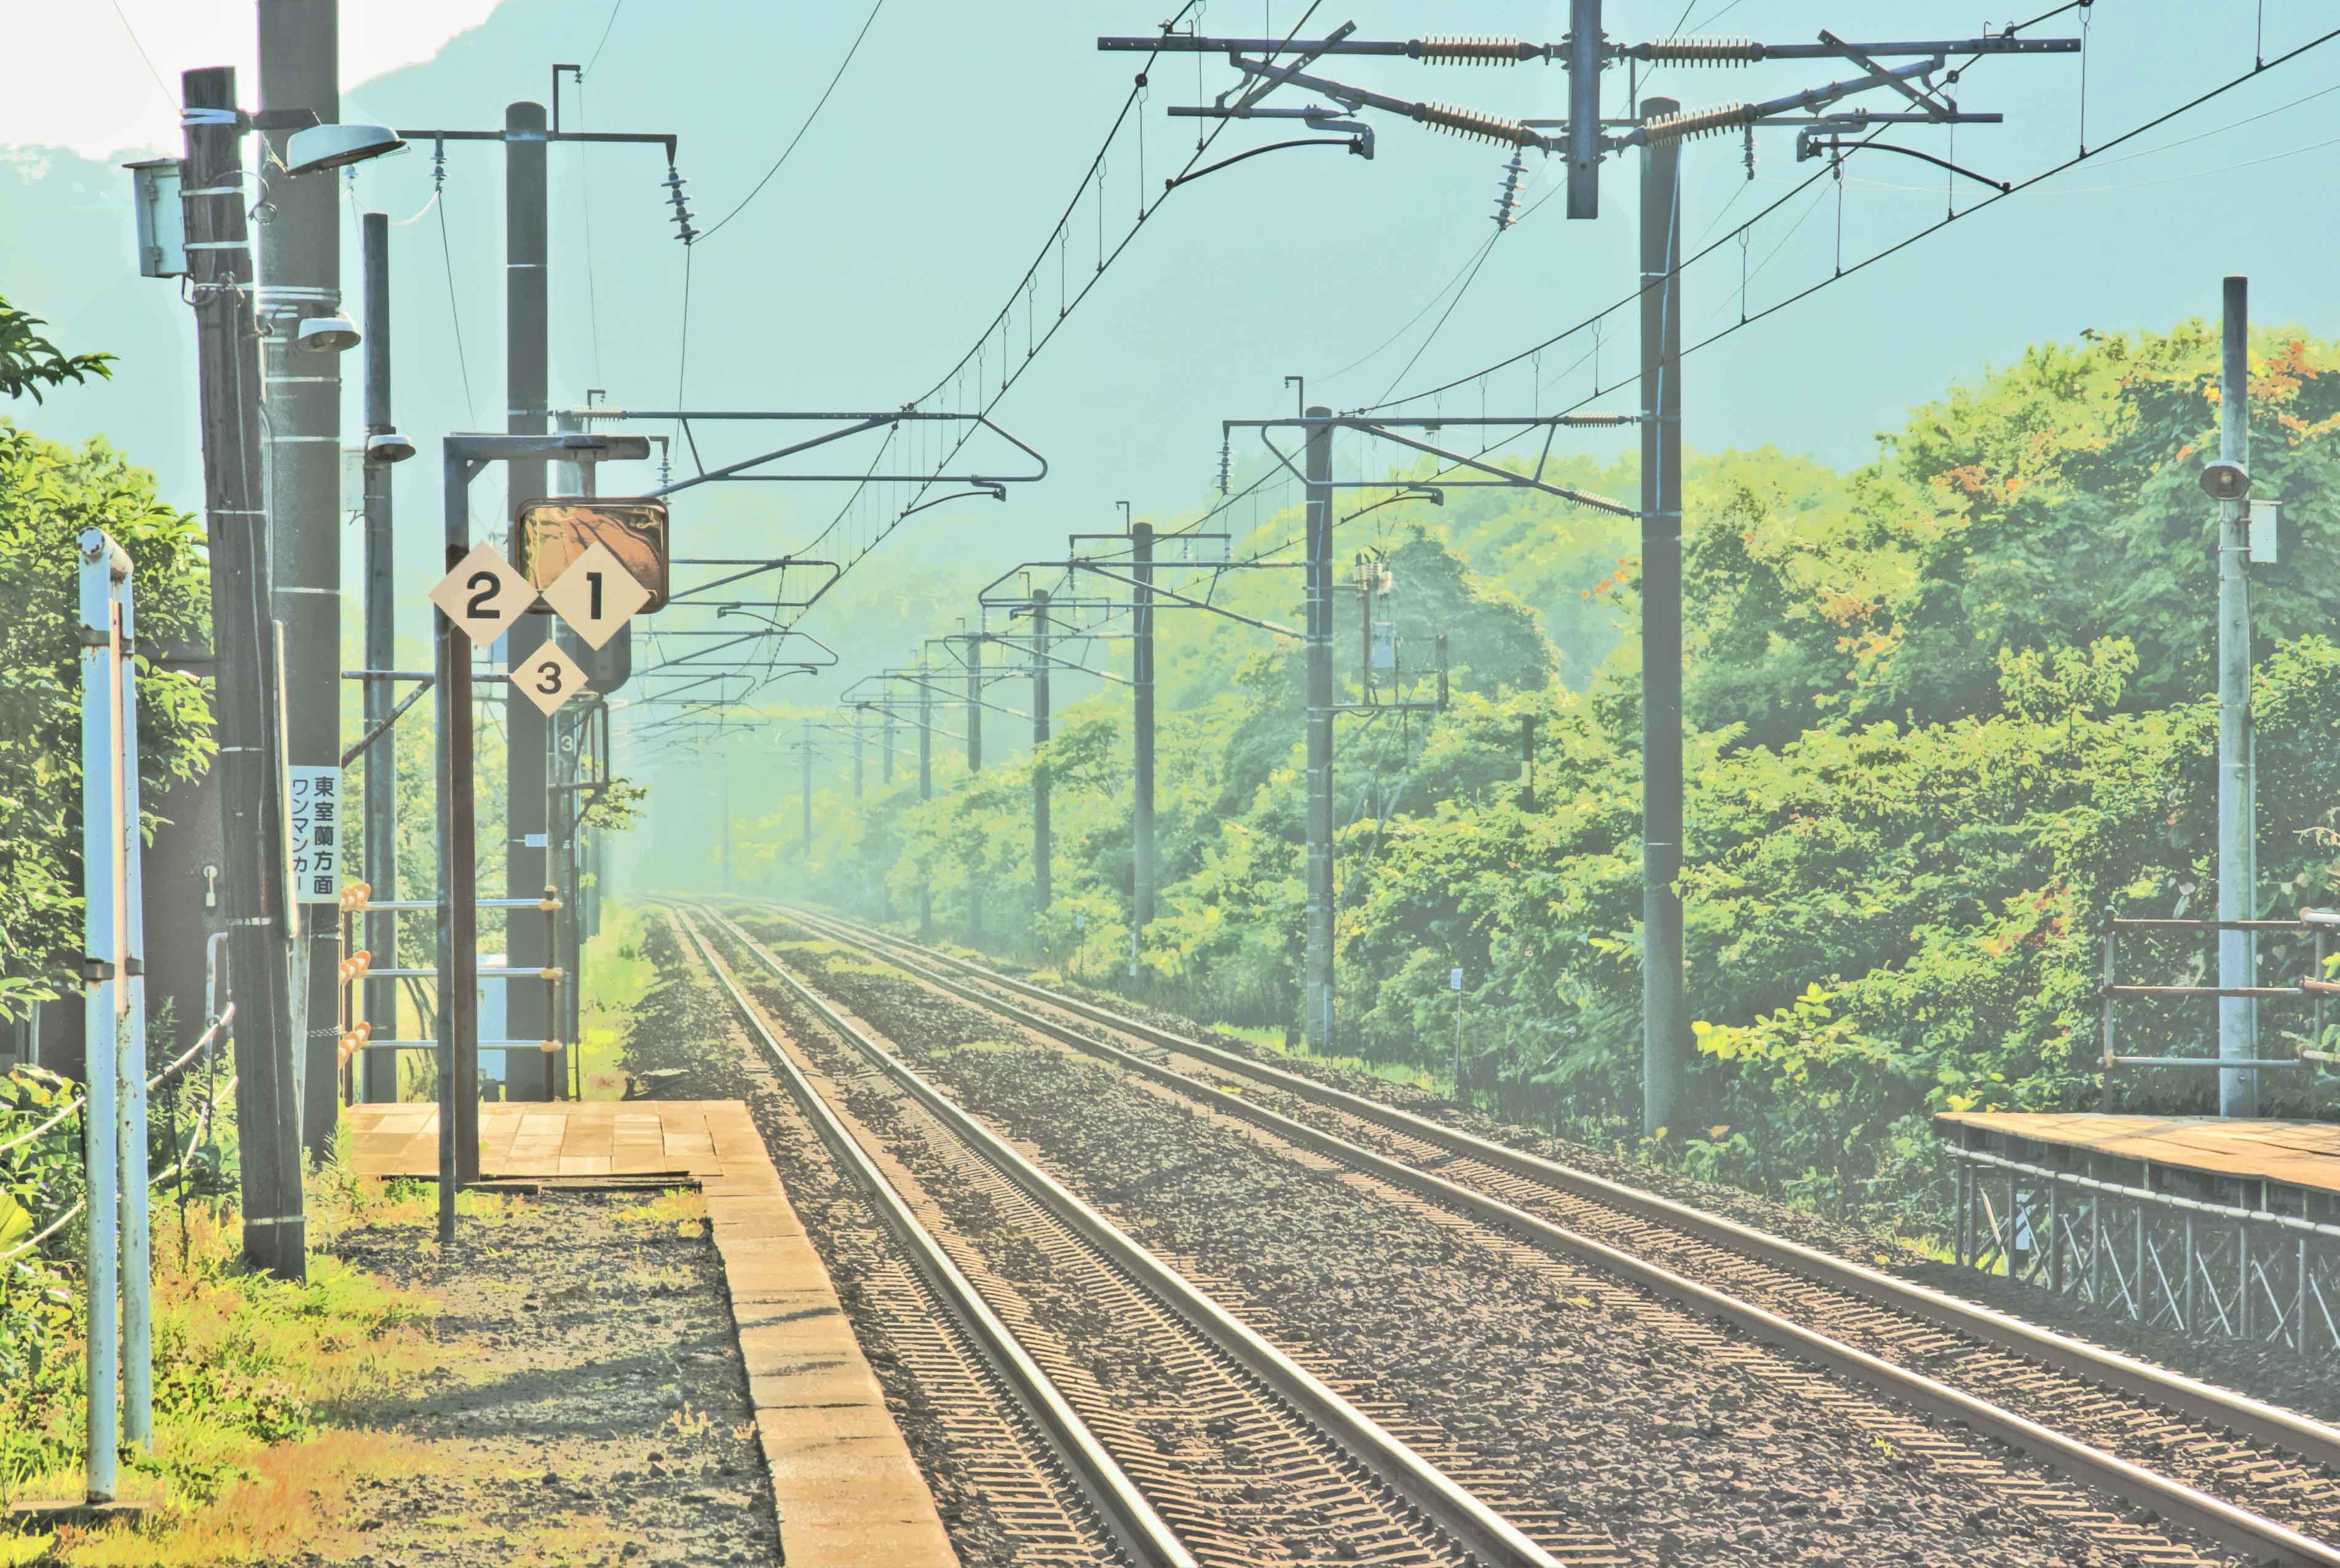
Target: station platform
(2213, 1228)
(846, 1489)
(2290, 1167)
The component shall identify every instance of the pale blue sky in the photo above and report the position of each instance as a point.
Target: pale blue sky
(915, 202)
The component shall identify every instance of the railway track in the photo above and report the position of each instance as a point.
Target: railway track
(1044, 1473)
(2249, 1474)
(1195, 1441)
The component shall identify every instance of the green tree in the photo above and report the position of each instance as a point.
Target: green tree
(29, 361)
(48, 495)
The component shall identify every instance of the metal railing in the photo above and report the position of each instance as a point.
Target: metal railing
(357, 1036)
(2111, 992)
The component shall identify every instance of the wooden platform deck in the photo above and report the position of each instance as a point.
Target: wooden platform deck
(633, 1138)
(2303, 1154)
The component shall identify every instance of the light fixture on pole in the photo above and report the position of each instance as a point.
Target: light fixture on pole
(334, 146)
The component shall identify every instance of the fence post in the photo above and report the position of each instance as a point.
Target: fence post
(114, 1124)
(2105, 1094)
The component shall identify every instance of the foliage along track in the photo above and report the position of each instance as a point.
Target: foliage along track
(997, 1486)
(1242, 1477)
(2141, 1424)
(1494, 1358)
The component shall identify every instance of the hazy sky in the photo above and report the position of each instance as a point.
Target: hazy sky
(926, 187)
(111, 100)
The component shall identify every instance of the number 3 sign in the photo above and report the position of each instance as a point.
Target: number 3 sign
(549, 678)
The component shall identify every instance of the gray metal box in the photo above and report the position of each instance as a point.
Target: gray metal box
(161, 218)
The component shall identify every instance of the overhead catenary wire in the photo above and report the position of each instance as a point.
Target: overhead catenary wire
(454, 314)
(818, 104)
(986, 391)
(595, 58)
(1630, 378)
(2013, 188)
(168, 97)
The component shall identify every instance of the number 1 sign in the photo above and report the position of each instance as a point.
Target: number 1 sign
(596, 595)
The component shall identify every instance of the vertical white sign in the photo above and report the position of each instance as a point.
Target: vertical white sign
(313, 816)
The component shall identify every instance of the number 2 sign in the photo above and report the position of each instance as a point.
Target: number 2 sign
(483, 596)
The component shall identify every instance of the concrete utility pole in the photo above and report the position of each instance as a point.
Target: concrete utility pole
(1665, 1010)
(251, 760)
(2238, 1019)
(300, 277)
(856, 756)
(378, 1069)
(526, 377)
(1317, 994)
(1142, 872)
(806, 777)
(1043, 848)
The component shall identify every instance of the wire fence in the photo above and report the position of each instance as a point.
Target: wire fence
(79, 1102)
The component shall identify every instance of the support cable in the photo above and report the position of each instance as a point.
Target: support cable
(818, 104)
(2013, 188)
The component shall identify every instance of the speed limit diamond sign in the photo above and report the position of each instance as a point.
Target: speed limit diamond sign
(548, 676)
(483, 596)
(597, 595)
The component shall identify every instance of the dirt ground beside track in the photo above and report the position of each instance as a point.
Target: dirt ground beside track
(589, 1406)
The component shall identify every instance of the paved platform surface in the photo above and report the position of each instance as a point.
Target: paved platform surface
(581, 1137)
(2296, 1153)
(847, 1492)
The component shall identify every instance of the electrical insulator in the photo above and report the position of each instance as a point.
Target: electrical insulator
(1700, 51)
(674, 183)
(1475, 50)
(1223, 467)
(1472, 123)
(1694, 123)
(1507, 200)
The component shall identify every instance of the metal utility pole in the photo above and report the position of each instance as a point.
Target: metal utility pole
(806, 749)
(378, 1069)
(1585, 56)
(856, 756)
(2238, 1093)
(250, 760)
(974, 765)
(1143, 873)
(1317, 978)
(1665, 1009)
(1822, 128)
(926, 785)
(1042, 847)
(457, 915)
(886, 750)
(526, 376)
(1527, 762)
(975, 704)
(725, 789)
(299, 277)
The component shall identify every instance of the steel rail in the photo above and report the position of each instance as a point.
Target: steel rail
(1494, 1543)
(2310, 1439)
(1125, 1512)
